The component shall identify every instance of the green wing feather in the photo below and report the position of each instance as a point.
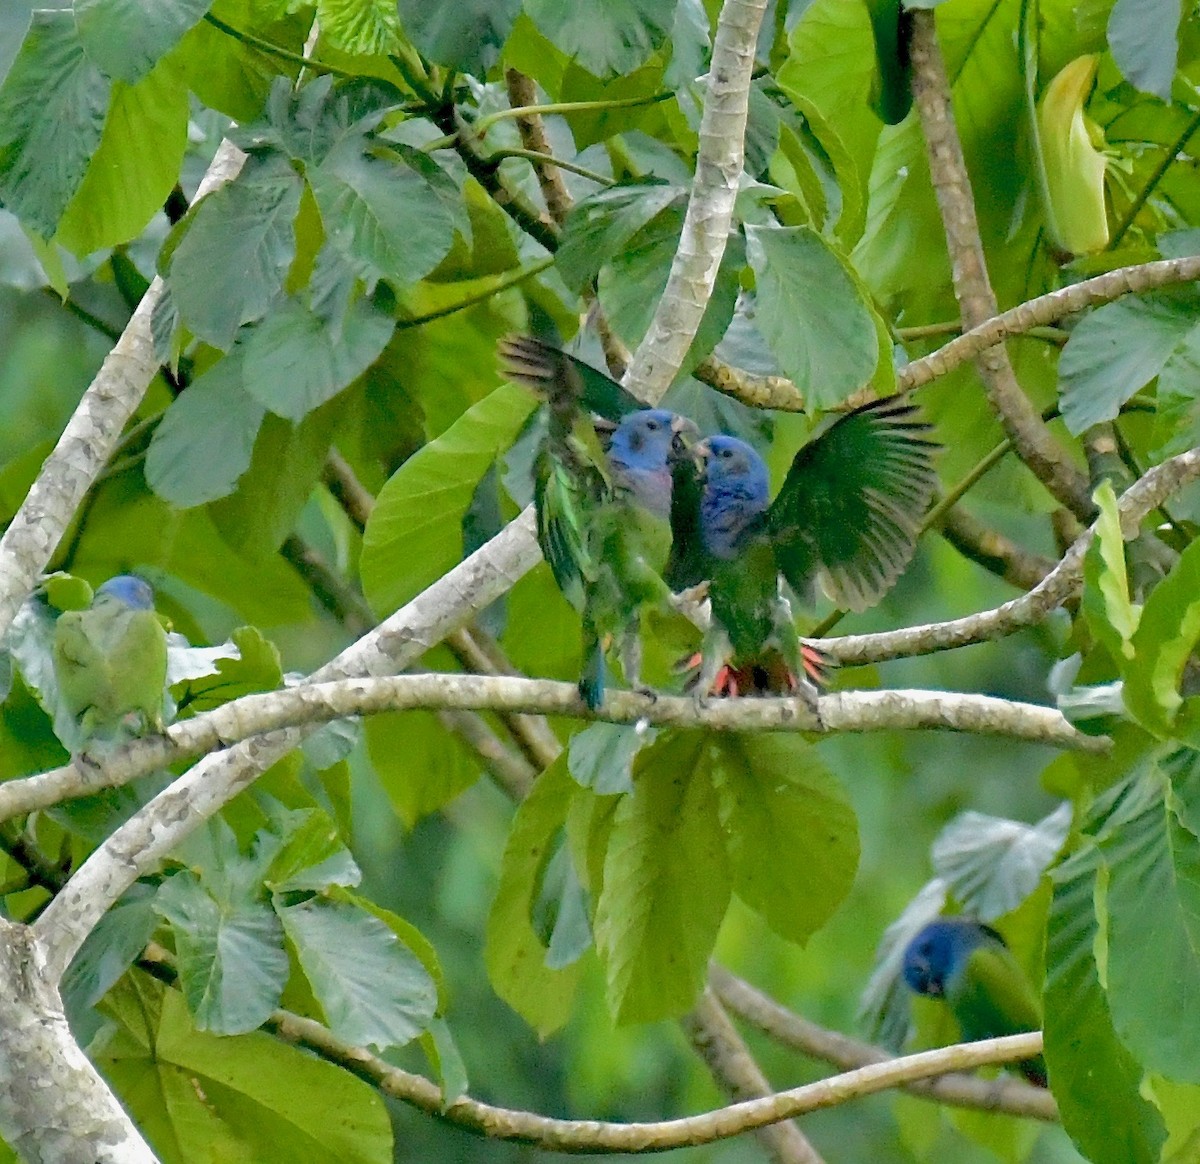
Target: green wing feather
(850, 510)
(688, 563)
(541, 366)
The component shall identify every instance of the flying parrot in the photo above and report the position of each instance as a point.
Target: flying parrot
(602, 488)
(968, 965)
(110, 661)
(847, 518)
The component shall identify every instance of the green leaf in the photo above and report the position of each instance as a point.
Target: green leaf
(295, 360)
(232, 967)
(360, 26)
(811, 314)
(599, 227)
(446, 1059)
(991, 864)
(135, 167)
(247, 227)
(108, 951)
(791, 834)
(414, 534)
(604, 36)
(52, 106)
(466, 36)
(515, 954)
(1118, 349)
(420, 764)
(666, 884)
(125, 39)
(243, 1098)
(1143, 36)
(251, 665)
(205, 440)
(312, 855)
(1154, 939)
(600, 757)
(1110, 614)
(373, 989)
(1167, 632)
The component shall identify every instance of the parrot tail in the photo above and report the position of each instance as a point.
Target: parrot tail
(594, 676)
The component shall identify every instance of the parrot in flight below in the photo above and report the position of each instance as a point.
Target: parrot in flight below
(968, 965)
(847, 517)
(602, 489)
(110, 661)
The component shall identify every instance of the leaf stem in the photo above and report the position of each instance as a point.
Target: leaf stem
(481, 126)
(547, 159)
(501, 284)
(275, 50)
(1170, 155)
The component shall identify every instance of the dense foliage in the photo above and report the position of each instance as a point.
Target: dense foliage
(511, 905)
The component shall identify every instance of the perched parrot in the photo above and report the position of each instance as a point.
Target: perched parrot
(602, 488)
(110, 660)
(847, 517)
(967, 964)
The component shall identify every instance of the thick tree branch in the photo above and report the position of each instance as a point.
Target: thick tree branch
(720, 1046)
(710, 206)
(977, 302)
(521, 95)
(1006, 1094)
(593, 1136)
(1060, 585)
(309, 704)
(90, 436)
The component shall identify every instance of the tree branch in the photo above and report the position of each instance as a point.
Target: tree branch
(1006, 1094)
(593, 1136)
(710, 206)
(977, 302)
(90, 436)
(1061, 584)
(993, 551)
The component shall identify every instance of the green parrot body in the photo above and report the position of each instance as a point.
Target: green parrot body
(110, 661)
(602, 493)
(969, 966)
(846, 519)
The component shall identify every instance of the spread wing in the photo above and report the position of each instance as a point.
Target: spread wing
(850, 510)
(541, 366)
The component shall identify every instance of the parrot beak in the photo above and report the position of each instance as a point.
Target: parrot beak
(685, 428)
(682, 448)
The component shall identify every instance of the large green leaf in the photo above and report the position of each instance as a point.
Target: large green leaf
(1095, 1079)
(125, 39)
(52, 106)
(108, 951)
(415, 531)
(232, 967)
(134, 168)
(312, 855)
(604, 36)
(1143, 36)
(1110, 614)
(360, 26)
(791, 834)
(372, 988)
(667, 881)
(1118, 349)
(515, 952)
(465, 36)
(295, 360)
(248, 1097)
(205, 441)
(228, 264)
(811, 313)
(1154, 939)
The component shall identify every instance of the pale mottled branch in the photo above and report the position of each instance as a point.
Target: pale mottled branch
(710, 207)
(1006, 1094)
(716, 1041)
(310, 704)
(90, 436)
(972, 288)
(1061, 584)
(590, 1136)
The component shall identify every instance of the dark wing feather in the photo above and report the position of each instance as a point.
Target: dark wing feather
(850, 509)
(687, 564)
(541, 366)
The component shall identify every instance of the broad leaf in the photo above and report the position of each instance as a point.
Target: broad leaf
(600, 757)
(52, 106)
(360, 26)
(465, 36)
(125, 39)
(372, 988)
(1111, 615)
(811, 313)
(415, 531)
(108, 951)
(604, 36)
(667, 881)
(1143, 36)
(312, 855)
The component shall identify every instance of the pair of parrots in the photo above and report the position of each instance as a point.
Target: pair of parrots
(631, 508)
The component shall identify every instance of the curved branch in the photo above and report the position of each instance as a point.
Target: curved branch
(709, 214)
(309, 704)
(90, 436)
(592, 1136)
(993, 550)
(977, 302)
(1061, 584)
(1006, 1094)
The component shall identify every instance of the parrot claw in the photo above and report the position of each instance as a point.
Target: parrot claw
(647, 691)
